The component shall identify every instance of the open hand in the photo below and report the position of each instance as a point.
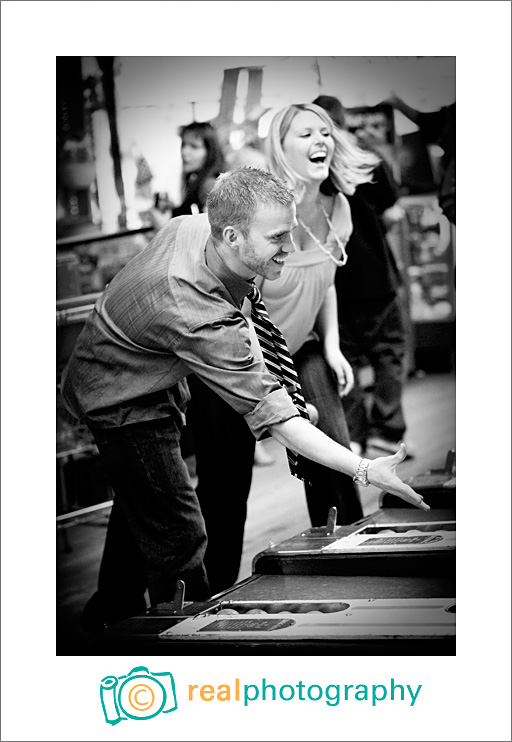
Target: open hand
(382, 473)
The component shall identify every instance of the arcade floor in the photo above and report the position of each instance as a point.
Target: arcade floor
(429, 407)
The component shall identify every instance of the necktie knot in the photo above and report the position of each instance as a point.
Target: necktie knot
(254, 295)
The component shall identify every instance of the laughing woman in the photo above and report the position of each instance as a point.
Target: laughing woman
(321, 164)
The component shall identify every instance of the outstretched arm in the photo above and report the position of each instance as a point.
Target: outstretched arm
(300, 436)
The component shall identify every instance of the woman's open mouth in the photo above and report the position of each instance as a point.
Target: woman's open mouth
(318, 158)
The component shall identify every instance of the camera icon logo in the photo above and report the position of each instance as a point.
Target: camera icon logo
(139, 695)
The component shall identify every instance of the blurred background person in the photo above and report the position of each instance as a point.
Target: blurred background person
(202, 159)
(371, 322)
(437, 127)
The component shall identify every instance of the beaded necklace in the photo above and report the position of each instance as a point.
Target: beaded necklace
(341, 245)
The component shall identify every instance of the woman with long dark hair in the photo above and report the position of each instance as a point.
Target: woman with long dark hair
(202, 160)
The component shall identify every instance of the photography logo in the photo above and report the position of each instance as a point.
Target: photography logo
(139, 695)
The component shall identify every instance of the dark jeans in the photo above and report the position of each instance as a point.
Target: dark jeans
(224, 447)
(156, 532)
(373, 332)
(327, 487)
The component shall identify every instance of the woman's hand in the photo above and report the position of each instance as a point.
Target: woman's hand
(341, 368)
(382, 473)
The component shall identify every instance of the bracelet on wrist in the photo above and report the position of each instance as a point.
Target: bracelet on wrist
(361, 476)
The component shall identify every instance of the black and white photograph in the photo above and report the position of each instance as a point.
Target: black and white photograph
(206, 545)
(270, 360)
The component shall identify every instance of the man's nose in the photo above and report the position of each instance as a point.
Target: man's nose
(289, 245)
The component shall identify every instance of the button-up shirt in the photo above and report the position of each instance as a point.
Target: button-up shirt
(173, 309)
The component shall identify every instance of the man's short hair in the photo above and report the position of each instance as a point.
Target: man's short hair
(236, 196)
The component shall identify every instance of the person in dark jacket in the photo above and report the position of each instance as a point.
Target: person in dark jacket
(371, 325)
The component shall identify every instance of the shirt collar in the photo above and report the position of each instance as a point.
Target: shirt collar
(237, 286)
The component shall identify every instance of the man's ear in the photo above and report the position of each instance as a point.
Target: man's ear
(231, 237)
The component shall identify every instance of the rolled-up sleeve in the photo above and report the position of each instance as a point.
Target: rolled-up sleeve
(275, 408)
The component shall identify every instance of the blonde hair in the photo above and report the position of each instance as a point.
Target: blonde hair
(350, 165)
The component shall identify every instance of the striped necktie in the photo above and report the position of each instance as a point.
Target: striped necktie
(279, 362)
